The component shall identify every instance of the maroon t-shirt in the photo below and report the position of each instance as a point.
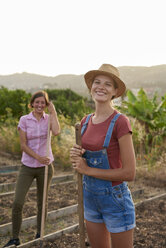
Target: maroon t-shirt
(94, 136)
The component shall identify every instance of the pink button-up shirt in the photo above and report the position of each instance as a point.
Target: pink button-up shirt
(36, 132)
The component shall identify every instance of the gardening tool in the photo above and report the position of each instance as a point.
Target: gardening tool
(45, 187)
(80, 193)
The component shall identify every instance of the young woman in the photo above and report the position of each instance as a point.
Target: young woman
(107, 161)
(33, 138)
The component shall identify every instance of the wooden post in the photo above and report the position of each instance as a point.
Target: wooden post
(80, 193)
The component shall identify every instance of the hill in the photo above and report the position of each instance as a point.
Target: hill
(150, 78)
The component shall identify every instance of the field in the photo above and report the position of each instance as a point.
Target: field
(150, 230)
(150, 217)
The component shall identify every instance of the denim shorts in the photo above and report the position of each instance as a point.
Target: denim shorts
(112, 206)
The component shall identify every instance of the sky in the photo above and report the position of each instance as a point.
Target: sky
(52, 37)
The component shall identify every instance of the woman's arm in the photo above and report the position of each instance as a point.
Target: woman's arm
(54, 123)
(30, 152)
(126, 173)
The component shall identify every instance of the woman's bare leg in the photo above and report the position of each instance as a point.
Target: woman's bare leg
(98, 235)
(123, 239)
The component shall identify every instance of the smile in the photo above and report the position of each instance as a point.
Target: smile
(100, 93)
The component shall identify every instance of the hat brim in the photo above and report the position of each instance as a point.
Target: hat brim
(90, 75)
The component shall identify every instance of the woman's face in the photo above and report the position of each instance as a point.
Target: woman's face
(103, 88)
(39, 104)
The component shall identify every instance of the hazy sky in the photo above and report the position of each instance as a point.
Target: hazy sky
(52, 37)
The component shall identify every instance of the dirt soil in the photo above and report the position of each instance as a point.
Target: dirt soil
(149, 233)
(60, 195)
(151, 221)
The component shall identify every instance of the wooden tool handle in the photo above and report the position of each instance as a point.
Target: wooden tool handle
(80, 193)
(45, 183)
(78, 133)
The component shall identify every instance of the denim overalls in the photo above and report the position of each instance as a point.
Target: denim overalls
(103, 202)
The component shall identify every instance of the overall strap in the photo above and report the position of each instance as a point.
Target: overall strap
(110, 129)
(84, 127)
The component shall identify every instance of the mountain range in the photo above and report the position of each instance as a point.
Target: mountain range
(135, 77)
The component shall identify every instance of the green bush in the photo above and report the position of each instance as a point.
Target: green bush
(150, 112)
(148, 117)
(15, 100)
(69, 104)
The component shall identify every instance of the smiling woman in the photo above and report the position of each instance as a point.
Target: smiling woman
(107, 161)
(34, 134)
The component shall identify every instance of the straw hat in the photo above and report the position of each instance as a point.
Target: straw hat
(107, 70)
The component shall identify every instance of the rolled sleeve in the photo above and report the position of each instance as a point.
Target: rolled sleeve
(22, 124)
(123, 126)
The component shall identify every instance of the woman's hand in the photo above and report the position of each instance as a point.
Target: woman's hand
(78, 163)
(75, 151)
(43, 160)
(51, 108)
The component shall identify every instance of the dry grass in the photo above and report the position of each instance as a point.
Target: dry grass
(156, 175)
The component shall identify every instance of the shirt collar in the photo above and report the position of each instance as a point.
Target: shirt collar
(32, 117)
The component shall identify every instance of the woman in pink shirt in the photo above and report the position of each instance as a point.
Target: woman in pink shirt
(33, 139)
(107, 161)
